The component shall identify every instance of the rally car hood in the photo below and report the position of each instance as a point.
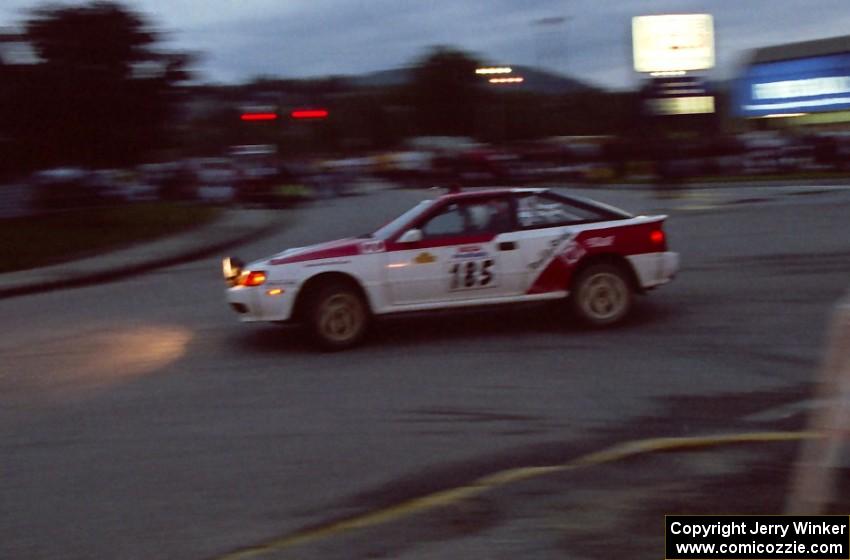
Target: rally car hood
(331, 249)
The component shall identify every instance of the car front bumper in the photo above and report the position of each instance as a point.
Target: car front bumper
(262, 303)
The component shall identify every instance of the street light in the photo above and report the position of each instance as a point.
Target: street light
(250, 117)
(502, 78)
(486, 70)
(516, 80)
(253, 113)
(503, 70)
(309, 114)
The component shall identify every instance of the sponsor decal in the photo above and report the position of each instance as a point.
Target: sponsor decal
(573, 253)
(546, 254)
(425, 258)
(370, 247)
(469, 252)
(595, 242)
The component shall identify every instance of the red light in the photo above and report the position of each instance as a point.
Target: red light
(657, 237)
(258, 116)
(310, 114)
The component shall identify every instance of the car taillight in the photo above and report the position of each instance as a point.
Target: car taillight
(252, 278)
(658, 239)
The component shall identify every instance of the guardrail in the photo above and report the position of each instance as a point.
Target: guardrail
(813, 476)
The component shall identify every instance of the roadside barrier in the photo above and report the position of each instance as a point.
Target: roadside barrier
(813, 477)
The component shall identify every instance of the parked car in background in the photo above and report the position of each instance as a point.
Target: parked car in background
(216, 179)
(62, 188)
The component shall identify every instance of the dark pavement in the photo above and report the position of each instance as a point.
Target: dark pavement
(138, 419)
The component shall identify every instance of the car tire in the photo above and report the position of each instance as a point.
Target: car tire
(337, 316)
(601, 295)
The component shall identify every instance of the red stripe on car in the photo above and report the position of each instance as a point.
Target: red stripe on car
(555, 277)
(332, 250)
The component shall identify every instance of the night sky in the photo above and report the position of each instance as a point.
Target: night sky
(241, 39)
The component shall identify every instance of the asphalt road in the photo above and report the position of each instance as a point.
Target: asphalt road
(139, 419)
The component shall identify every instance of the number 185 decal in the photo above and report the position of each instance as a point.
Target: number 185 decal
(472, 274)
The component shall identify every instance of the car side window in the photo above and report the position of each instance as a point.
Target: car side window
(500, 213)
(451, 221)
(471, 218)
(540, 211)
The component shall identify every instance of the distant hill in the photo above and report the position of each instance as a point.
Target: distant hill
(382, 78)
(536, 80)
(270, 90)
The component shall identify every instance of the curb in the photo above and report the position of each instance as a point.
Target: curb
(120, 271)
(449, 496)
(814, 473)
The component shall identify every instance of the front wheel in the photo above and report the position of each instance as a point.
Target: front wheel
(601, 295)
(338, 317)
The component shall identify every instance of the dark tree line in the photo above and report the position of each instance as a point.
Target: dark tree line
(442, 96)
(101, 94)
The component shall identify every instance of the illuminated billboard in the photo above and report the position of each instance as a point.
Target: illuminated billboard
(673, 43)
(677, 95)
(805, 85)
(697, 105)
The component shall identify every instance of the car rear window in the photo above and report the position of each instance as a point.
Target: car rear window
(541, 210)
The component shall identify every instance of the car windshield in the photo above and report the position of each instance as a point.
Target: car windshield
(387, 231)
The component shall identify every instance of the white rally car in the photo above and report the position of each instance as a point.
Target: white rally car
(463, 249)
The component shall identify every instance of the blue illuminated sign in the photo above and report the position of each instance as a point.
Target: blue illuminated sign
(806, 85)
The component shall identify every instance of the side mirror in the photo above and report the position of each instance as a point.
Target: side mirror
(411, 236)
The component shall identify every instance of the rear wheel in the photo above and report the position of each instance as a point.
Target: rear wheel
(601, 295)
(338, 316)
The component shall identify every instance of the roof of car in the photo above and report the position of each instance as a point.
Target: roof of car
(486, 191)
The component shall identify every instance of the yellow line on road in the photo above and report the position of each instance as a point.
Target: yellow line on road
(481, 485)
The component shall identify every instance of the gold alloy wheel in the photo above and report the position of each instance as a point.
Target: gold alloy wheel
(341, 317)
(604, 296)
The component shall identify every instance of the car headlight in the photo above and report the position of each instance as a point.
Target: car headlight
(252, 278)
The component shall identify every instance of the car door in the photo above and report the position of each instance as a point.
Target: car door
(466, 252)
